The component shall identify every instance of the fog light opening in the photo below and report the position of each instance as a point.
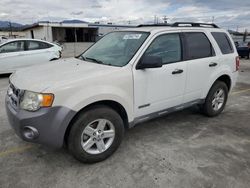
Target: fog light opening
(30, 133)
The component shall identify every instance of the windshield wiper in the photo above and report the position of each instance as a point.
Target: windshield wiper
(93, 59)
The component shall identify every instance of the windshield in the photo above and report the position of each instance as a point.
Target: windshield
(116, 48)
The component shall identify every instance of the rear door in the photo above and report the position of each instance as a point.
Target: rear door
(37, 52)
(201, 63)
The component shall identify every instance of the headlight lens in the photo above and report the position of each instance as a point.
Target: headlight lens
(33, 101)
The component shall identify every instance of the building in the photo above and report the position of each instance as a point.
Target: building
(13, 34)
(76, 36)
(70, 31)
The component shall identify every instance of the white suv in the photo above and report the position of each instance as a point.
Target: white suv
(126, 78)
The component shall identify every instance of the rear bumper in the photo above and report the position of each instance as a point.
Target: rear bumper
(234, 79)
(50, 123)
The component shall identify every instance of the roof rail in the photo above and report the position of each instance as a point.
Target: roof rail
(193, 24)
(154, 25)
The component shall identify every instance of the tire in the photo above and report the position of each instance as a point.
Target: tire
(211, 102)
(87, 124)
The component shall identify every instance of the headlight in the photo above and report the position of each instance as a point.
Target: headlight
(32, 101)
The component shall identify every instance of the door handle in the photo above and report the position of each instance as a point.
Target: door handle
(213, 64)
(177, 71)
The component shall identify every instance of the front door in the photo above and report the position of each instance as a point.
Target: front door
(10, 56)
(156, 89)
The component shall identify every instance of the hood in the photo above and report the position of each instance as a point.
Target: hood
(56, 73)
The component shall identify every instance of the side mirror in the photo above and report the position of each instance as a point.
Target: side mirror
(149, 62)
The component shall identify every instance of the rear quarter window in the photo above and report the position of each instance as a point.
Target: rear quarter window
(223, 42)
(37, 45)
(44, 45)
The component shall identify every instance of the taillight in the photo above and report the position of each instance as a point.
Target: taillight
(237, 63)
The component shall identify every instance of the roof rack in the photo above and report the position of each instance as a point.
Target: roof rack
(193, 24)
(154, 25)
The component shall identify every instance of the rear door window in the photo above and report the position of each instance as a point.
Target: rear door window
(197, 45)
(223, 42)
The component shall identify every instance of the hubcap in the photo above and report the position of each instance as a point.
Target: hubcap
(218, 99)
(98, 136)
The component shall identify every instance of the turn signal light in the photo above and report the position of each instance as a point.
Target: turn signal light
(47, 100)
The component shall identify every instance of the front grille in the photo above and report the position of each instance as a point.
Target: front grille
(15, 95)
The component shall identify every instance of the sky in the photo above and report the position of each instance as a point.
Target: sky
(229, 14)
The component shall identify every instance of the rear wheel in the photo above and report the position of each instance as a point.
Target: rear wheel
(216, 99)
(96, 134)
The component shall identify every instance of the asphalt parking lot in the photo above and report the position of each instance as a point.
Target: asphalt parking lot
(183, 149)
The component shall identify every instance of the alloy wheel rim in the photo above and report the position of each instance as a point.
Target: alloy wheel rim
(97, 136)
(218, 99)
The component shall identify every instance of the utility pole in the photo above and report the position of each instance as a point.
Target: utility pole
(156, 19)
(10, 29)
(245, 35)
(165, 19)
(213, 19)
(75, 42)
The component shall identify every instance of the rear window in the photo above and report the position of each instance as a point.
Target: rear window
(198, 46)
(224, 42)
(37, 45)
(44, 45)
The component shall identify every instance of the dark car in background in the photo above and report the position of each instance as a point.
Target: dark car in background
(242, 48)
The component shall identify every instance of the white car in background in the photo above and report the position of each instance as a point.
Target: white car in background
(3, 39)
(19, 53)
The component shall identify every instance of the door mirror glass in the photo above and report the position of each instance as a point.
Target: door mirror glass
(149, 62)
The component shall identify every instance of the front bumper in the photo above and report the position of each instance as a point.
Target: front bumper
(51, 123)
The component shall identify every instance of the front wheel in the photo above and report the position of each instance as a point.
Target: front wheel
(96, 134)
(216, 99)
